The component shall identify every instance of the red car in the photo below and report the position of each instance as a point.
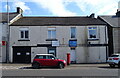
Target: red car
(43, 60)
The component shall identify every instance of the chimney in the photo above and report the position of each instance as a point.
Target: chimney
(19, 10)
(118, 12)
(92, 15)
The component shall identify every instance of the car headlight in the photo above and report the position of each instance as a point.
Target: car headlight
(64, 61)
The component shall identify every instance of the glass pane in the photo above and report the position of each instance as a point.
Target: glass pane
(26, 34)
(92, 33)
(22, 34)
(49, 34)
(73, 32)
(53, 34)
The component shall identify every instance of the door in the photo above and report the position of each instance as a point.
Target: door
(51, 61)
(73, 55)
(21, 54)
(52, 50)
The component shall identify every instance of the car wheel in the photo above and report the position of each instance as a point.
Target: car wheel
(112, 65)
(61, 65)
(36, 65)
(119, 64)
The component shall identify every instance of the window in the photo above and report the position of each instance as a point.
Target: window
(92, 32)
(73, 32)
(51, 33)
(51, 57)
(40, 57)
(24, 33)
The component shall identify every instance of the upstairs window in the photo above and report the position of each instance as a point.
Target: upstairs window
(24, 33)
(51, 33)
(73, 32)
(92, 32)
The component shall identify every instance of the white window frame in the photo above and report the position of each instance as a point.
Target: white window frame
(51, 36)
(24, 30)
(93, 29)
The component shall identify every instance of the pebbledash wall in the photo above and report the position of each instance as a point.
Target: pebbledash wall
(86, 51)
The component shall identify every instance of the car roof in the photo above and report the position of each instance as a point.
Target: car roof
(44, 54)
(116, 54)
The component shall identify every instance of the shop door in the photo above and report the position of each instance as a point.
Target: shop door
(72, 55)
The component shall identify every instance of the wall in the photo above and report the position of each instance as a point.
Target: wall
(3, 37)
(116, 40)
(84, 53)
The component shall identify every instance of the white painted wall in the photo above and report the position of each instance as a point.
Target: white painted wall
(37, 50)
(84, 54)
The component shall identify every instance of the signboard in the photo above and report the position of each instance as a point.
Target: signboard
(55, 43)
(72, 43)
(3, 43)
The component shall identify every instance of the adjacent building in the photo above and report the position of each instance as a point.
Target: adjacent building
(113, 24)
(4, 31)
(85, 38)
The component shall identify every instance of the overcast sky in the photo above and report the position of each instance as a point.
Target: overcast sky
(63, 7)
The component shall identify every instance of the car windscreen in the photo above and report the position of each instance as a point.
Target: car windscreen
(114, 55)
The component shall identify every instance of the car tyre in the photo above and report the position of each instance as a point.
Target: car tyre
(112, 65)
(119, 64)
(61, 65)
(36, 65)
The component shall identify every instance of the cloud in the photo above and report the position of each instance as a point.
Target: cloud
(56, 7)
(7, 7)
(22, 5)
(99, 7)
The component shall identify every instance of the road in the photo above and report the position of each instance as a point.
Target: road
(83, 70)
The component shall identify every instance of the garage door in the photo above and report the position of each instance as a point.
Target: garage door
(21, 54)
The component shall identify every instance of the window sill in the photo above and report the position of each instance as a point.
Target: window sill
(51, 40)
(73, 39)
(23, 40)
(92, 39)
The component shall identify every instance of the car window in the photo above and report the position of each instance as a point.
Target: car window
(114, 55)
(40, 57)
(50, 57)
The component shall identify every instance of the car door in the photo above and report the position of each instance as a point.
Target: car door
(51, 61)
(42, 60)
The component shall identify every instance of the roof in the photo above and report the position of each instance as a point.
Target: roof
(64, 21)
(4, 16)
(112, 20)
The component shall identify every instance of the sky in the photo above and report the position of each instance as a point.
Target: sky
(62, 7)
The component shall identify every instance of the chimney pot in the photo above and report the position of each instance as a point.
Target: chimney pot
(19, 10)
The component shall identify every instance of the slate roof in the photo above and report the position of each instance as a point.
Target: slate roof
(112, 20)
(64, 21)
(4, 16)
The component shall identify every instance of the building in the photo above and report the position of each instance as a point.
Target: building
(4, 31)
(85, 38)
(113, 24)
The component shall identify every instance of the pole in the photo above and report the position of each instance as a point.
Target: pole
(7, 45)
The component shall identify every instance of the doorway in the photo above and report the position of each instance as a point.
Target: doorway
(73, 55)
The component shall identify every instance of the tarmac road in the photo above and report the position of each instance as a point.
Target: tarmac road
(83, 70)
